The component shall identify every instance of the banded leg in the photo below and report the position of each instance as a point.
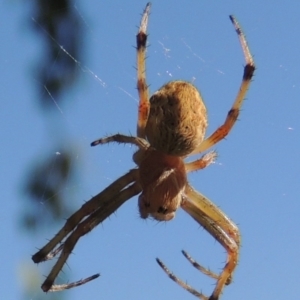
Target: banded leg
(233, 114)
(123, 139)
(199, 267)
(141, 44)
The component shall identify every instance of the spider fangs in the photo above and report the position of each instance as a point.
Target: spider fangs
(171, 126)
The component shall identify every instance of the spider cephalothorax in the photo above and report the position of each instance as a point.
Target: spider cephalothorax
(171, 126)
(162, 178)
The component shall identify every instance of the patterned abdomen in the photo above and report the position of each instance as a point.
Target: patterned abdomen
(177, 120)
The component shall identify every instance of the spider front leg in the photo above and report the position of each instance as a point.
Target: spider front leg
(212, 219)
(233, 113)
(141, 44)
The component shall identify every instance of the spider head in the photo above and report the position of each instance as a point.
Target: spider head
(163, 179)
(158, 213)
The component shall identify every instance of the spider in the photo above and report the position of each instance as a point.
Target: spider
(171, 126)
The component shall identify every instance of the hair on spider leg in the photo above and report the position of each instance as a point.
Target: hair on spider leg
(41, 258)
(147, 86)
(61, 287)
(122, 139)
(54, 252)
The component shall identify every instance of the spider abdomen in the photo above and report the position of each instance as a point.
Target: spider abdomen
(177, 120)
(163, 179)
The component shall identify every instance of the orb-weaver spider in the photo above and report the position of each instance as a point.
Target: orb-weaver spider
(171, 126)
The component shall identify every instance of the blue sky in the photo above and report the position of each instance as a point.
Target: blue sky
(255, 180)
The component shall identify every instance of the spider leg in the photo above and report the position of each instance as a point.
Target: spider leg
(199, 267)
(124, 139)
(108, 207)
(144, 105)
(226, 241)
(233, 114)
(86, 209)
(202, 162)
(180, 282)
(54, 252)
(61, 287)
(221, 228)
(198, 205)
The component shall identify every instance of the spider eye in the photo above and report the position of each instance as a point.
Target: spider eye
(162, 210)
